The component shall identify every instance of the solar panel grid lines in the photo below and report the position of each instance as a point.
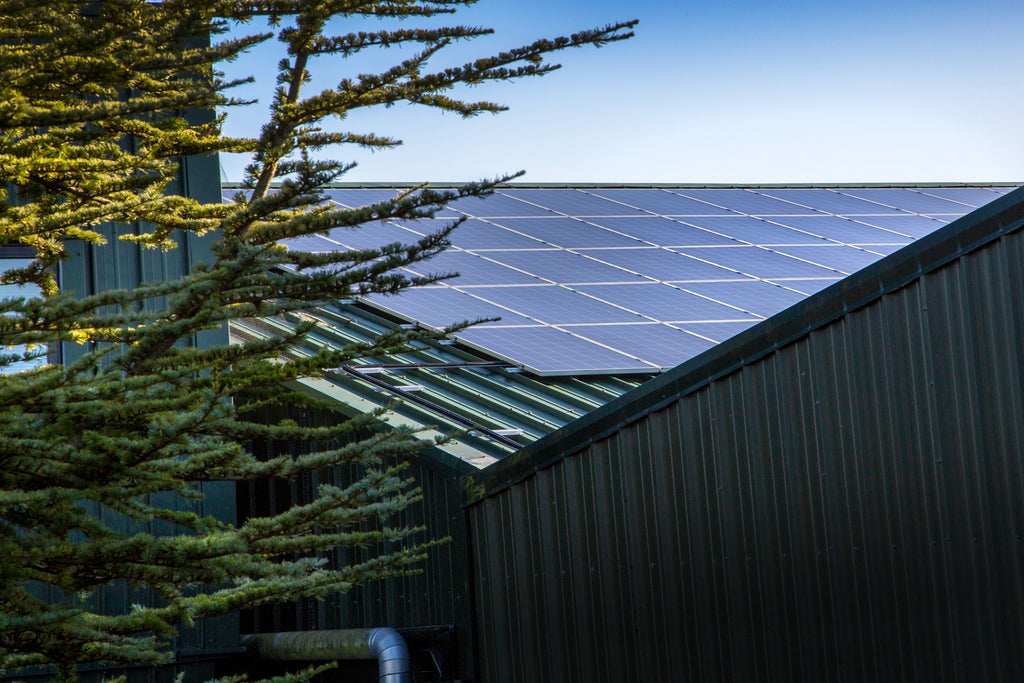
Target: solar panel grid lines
(749, 202)
(655, 199)
(973, 197)
(598, 279)
(575, 203)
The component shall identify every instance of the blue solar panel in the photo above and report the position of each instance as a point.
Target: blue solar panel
(374, 235)
(970, 196)
(574, 202)
(313, 243)
(840, 257)
(553, 351)
(662, 202)
(663, 302)
(356, 197)
(754, 296)
(754, 230)
(497, 205)
(758, 262)
(809, 286)
(472, 270)
(557, 265)
(747, 201)
(663, 232)
(884, 249)
(662, 264)
(555, 305)
(481, 235)
(851, 231)
(567, 232)
(613, 262)
(662, 345)
(828, 200)
(908, 200)
(717, 332)
(443, 306)
(914, 226)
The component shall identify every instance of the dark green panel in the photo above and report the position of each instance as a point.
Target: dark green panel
(836, 496)
(436, 596)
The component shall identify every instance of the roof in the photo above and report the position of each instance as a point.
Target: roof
(600, 287)
(963, 236)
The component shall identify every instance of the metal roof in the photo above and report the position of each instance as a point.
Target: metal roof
(964, 236)
(501, 402)
(448, 387)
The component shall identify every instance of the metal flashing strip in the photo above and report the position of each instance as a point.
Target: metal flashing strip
(963, 236)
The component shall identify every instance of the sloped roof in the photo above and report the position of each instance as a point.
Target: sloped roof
(599, 288)
(962, 237)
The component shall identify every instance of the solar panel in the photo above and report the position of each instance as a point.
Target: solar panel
(497, 205)
(914, 226)
(484, 235)
(759, 262)
(663, 302)
(754, 296)
(659, 344)
(829, 200)
(439, 306)
(374, 235)
(806, 286)
(662, 231)
(558, 265)
(356, 197)
(754, 230)
(662, 202)
(973, 197)
(839, 257)
(717, 332)
(553, 351)
(556, 305)
(574, 202)
(473, 270)
(631, 280)
(908, 200)
(313, 243)
(855, 231)
(663, 264)
(748, 201)
(568, 232)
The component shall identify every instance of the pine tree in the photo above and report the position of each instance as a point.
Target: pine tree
(99, 102)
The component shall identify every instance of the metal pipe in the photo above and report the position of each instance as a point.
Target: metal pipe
(383, 644)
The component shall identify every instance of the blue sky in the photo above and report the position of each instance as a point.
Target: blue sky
(716, 92)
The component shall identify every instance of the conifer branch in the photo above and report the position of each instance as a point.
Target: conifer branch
(98, 106)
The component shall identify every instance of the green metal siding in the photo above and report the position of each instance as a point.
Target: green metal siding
(837, 495)
(437, 595)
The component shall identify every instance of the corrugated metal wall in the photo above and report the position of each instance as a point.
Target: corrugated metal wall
(118, 265)
(437, 595)
(847, 507)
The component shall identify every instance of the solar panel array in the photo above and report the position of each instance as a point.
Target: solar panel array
(593, 280)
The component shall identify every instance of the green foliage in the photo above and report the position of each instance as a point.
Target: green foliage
(99, 102)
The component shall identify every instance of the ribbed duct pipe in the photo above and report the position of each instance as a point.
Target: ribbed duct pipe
(383, 644)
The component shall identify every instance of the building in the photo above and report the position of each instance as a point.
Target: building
(830, 488)
(832, 493)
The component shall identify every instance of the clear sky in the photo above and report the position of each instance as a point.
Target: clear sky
(716, 91)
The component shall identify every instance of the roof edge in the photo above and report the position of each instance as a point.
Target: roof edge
(652, 186)
(963, 236)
